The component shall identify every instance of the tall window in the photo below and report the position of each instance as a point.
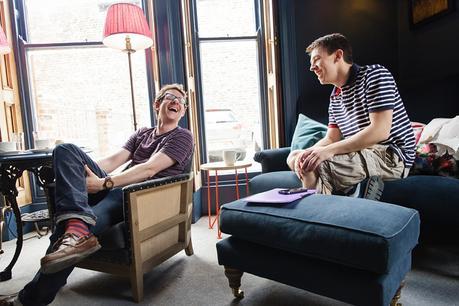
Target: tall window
(79, 90)
(230, 77)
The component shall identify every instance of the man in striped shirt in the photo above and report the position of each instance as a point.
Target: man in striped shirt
(88, 198)
(369, 133)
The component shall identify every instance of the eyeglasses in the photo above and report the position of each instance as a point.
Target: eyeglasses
(171, 97)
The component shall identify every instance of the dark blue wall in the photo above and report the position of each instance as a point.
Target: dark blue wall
(423, 61)
(429, 65)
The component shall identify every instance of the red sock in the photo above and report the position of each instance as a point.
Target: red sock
(77, 227)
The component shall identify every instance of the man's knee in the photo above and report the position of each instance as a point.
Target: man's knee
(65, 148)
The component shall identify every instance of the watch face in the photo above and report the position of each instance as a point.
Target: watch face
(108, 184)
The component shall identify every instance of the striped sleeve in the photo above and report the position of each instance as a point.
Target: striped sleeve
(179, 147)
(381, 89)
(331, 116)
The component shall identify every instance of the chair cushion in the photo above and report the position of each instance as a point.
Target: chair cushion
(307, 133)
(359, 233)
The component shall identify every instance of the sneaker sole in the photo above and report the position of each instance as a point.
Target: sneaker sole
(374, 188)
(62, 263)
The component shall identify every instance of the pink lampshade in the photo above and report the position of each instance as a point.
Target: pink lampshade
(4, 45)
(126, 20)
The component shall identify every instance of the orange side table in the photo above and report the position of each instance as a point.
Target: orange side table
(222, 166)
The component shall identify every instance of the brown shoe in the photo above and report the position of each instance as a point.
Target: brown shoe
(68, 250)
(8, 300)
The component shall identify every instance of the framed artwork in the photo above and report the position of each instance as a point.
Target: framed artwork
(424, 11)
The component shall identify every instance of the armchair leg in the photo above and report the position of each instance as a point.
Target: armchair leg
(189, 249)
(234, 278)
(137, 285)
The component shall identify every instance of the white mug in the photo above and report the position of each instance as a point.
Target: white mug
(230, 157)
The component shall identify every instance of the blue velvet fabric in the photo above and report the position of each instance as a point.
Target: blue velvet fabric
(437, 200)
(346, 284)
(357, 233)
(278, 179)
(273, 159)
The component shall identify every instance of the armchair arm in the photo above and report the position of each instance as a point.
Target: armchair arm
(273, 159)
(158, 215)
(156, 182)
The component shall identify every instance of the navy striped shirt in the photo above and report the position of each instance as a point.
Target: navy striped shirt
(177, 144)
(372, 89)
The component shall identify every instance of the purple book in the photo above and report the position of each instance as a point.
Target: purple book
(273, 196)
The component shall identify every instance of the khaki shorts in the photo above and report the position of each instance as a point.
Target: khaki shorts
(345, 170)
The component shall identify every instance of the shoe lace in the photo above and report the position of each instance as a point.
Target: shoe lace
(64, 240)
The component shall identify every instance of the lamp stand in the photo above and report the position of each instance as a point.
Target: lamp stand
(129, 50)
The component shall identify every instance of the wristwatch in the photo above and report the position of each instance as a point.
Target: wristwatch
(108, 183)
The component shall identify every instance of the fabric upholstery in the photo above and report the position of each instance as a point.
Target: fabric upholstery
(357, 233)
(278, 179)
(354, 286)
(307, 133)
(273, 159)
(437, 200)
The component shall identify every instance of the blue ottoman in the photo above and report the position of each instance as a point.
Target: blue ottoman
(354, 250)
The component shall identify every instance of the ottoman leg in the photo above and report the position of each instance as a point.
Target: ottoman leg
(397, 296)
(234, 278)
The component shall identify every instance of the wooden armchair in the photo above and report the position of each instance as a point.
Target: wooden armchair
(156, 226)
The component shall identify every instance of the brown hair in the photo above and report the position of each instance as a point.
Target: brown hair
(331, 43)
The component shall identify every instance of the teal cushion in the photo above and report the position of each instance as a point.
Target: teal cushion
(307, 133)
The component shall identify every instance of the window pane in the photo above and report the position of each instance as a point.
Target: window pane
(231, 95)
(60, 21)
(82, 95)
(226, 18)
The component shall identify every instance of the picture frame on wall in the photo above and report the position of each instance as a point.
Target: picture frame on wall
(425, 11)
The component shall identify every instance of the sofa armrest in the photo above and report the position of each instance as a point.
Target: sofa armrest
(273, 159)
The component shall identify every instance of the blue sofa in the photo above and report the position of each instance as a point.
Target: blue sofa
(353, 250)
(436, 198)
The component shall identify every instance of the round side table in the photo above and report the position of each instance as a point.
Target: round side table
(222, 166)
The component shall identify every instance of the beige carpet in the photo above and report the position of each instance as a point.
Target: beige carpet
(199, 280)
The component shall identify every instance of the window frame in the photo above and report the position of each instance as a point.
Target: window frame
(258, 38)
(19, 38)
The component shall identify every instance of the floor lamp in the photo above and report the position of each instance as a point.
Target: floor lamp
(126, 29)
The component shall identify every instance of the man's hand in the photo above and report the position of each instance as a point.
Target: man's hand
(93, 182)
(311, 158)
(297, 165)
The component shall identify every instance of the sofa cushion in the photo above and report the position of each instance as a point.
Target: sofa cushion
(307, 133)
(436, 199)
(359, 233)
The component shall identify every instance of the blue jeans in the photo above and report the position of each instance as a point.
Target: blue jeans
(73, 201)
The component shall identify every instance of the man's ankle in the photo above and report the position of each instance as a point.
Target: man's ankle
(77, 227)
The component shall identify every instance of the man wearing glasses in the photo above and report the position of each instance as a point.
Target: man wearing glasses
(88, 198)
